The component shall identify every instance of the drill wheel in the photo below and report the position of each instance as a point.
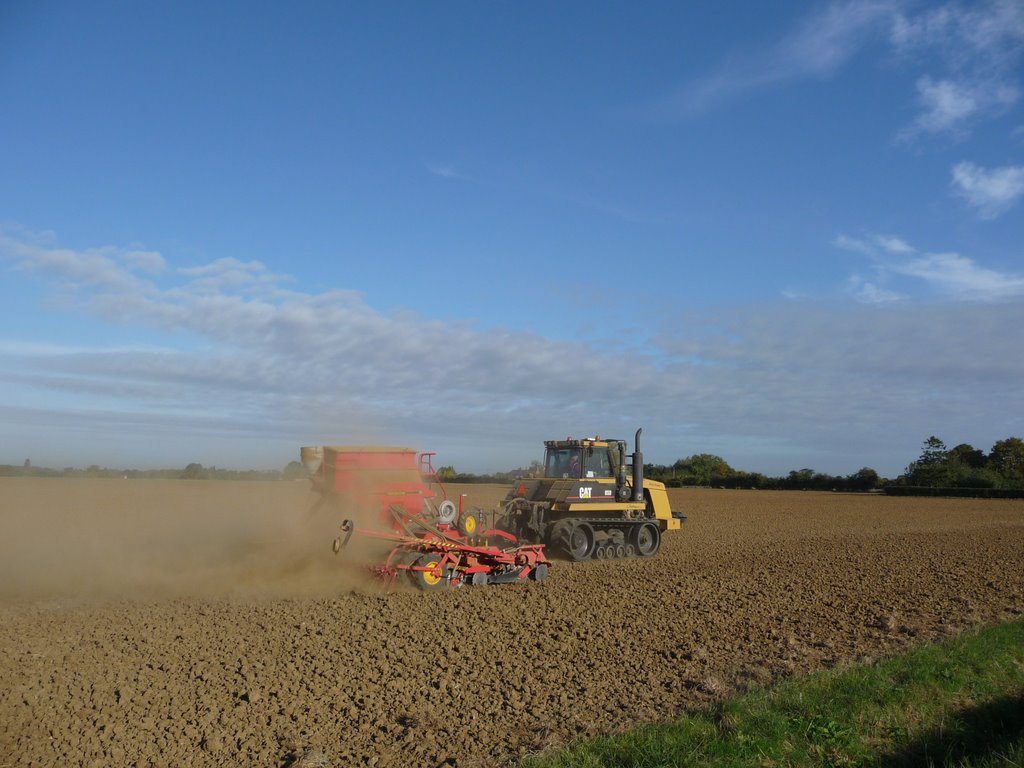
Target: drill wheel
(429, 581)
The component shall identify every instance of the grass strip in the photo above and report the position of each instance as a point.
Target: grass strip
(959, 702)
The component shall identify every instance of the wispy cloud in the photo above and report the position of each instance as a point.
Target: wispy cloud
(279, 367)
(946, 104)
(149, 262)
(948, 275)
(978, 46)
(867, 291)
(960, 277)
(331, 350)
(950, 106)
(969, 36)
(97, 268)
(444, 171)
(893, 244)
(883, 370)
(992, 191)
(871, 245)
(975, 47)
(819, 45)
(856, 244)
(232, 273)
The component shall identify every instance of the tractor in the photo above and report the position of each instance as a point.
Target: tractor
(591, 502)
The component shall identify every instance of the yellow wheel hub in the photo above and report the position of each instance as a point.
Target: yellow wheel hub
(429, 578)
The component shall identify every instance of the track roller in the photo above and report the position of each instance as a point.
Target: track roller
(646, 539)
(574, 539)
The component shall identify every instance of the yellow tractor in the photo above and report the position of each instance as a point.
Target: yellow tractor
(592, 501)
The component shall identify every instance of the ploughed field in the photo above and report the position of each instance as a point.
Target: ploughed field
(207, 623)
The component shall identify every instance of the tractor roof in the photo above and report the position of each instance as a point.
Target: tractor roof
(573, 442)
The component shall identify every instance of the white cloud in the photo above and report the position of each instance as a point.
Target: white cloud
(770, 388)
(873, 245)
(826, 40)
(333, 348)
(98, 268)
(820, 44)
(946, 104)
(975, 35)
(990, 191)
(854, 244)
(948, 275)
(229, 273)
(444, 171)
(884, 371)
(977, 47)
(867, 292)
(150, 262)
(248, 269)
(960, 277)
(893, 244)
(949, 106)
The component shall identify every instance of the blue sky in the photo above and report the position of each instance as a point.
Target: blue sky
(785, 233)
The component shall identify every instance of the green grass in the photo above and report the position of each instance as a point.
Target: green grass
(959, 702)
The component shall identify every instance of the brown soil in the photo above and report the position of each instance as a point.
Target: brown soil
(207, 624)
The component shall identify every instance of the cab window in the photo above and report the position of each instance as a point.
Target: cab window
(596, 463)
(563, 462)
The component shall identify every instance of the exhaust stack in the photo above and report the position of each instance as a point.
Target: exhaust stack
(638, 469)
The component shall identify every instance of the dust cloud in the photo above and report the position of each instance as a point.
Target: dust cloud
(144, 539)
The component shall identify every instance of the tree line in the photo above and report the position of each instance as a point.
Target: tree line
(962, 469)
(193, 471)
(706, 469)
(967, 467)
(703, 469)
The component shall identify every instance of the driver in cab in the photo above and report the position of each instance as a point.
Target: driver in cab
(575, 468)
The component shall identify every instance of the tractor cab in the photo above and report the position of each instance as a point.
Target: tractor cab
(588, 458)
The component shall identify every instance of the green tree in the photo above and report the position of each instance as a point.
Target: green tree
(968, 455)
(194, 471)
(1007, 459)
(933, 452)
(800, 478)
(295, 470)
(964, 467)
(446, 474)
(702, 469)
(932, 467)
(864, 479)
